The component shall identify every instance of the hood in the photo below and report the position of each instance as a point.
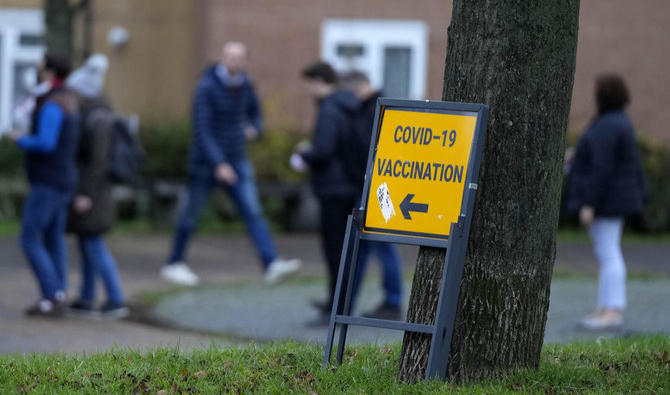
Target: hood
(219, 73)
(89, 79)
(342, 99)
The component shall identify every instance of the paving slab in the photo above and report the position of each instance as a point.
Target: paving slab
(252, 311)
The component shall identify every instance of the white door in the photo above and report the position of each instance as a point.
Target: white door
(21, 49)
(392, 53)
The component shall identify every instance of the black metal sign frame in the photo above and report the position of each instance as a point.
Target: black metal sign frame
(455, 244)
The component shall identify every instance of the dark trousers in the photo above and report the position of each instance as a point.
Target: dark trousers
(245, 197)
(334, 213)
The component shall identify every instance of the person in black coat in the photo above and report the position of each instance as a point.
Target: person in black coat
(92, 212)
(606, 184)
(325, 159)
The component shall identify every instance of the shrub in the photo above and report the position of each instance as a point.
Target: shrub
(11, 159)
(168, 144)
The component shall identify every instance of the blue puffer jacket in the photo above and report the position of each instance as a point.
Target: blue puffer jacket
(607, 172)
(327, 156)
(221, 111)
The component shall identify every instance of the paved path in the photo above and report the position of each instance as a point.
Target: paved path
(219, 260)
(255, 312)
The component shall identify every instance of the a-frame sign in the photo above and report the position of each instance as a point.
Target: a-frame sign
(420, 188)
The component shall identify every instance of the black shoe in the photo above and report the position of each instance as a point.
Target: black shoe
(82, 309)
(385, 311)
(323, 307)
(114, 310)
(46, 308)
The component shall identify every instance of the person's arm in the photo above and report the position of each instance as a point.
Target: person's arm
(325, 139)
(202, 128)
(254, 115)
(49, 124)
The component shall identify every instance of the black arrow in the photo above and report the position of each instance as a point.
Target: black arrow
(406, 206)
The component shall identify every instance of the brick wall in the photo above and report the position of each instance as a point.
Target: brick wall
(615, 35)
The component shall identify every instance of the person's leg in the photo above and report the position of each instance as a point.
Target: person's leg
(245, 196)
(334, 213)
(88, 271)
(606, 236)
(198, 191)
(105, 266)
(391, 272)
(38, 212)
(54, 240)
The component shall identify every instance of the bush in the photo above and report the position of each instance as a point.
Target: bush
(656, 159)
(167, 147)
(11, 159)
(168, 144)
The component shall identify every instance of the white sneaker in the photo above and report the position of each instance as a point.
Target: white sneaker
(602, 321)
(179, 273)
(281, 269)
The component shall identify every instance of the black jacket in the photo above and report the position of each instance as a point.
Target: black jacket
(94, 182)
(326, 158)
(607, 172)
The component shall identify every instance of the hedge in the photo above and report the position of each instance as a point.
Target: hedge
(167, 145)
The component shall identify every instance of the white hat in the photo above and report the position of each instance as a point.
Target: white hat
(89, 79)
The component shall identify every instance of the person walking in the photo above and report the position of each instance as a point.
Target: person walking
(50, 149)
(92, 212)
(606, 184)
(357, 156)
(226, 114)
(325, 160)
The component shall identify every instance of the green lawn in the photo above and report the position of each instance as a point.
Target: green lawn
(639, 365)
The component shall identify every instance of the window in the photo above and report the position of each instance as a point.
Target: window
(21, 49)
(392, 53)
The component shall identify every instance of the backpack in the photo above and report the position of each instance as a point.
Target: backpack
(125, 154)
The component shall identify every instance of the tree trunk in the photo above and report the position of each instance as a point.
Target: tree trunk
(58, 21)
(517, 56)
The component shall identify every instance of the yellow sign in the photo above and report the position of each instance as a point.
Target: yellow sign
(419, 172)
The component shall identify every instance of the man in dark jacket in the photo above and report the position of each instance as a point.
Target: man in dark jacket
(52, 173)
(357, 155)
(325, 159)
(226, 114)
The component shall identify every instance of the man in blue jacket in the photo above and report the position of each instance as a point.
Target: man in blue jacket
(226, 114)
(51, 150)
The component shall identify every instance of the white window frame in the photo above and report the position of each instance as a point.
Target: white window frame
(374, 36)
(13, 23)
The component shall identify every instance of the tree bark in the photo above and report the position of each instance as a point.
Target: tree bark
(517, 56)
(58, 22)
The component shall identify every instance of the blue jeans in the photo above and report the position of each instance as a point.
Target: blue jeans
(43, 236)
(96, 260)
(244, 195)
(391, 269)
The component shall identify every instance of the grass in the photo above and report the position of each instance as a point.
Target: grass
(639, 365)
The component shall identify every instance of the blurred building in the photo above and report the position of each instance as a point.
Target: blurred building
(157, 48)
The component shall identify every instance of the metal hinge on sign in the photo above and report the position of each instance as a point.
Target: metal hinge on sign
(473, 186)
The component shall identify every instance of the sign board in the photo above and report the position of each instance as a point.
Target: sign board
(418, 171)
(420, 188)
